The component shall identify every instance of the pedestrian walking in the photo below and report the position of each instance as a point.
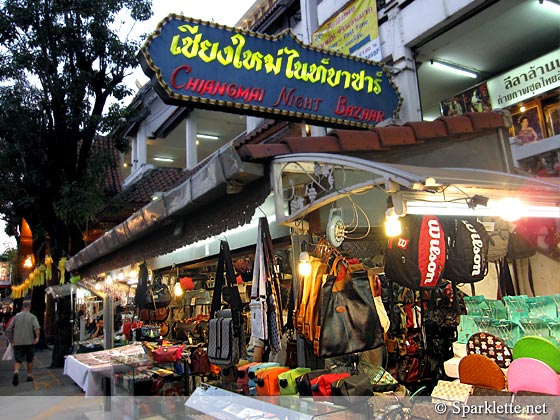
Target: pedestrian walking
(23, 333)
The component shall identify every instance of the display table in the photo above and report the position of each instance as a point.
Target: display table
(87, 370)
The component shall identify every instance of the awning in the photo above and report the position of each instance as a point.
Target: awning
(305, 182)
(163, 225)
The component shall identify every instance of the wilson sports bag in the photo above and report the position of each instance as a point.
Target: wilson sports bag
(416, 258)
(467, 250)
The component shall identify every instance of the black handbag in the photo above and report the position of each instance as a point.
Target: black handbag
(348, 320)
(158, 294)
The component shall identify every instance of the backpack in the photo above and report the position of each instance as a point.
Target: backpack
(498, 237)
(467, 250)
(416, 258)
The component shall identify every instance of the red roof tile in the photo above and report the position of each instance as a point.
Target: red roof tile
(157, 179)
(380, 139)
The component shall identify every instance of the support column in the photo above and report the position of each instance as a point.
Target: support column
(191, 157)
(140, 157)
(404, 67)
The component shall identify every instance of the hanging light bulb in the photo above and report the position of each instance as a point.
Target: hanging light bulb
(109, 280)
(177, 289)
(304, 267)
(98, 286)
(392, 223)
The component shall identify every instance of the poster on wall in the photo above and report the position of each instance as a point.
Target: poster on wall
(526, 125)
(353, 31)
(475, 99)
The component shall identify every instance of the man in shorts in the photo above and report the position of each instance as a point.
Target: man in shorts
(23, 333)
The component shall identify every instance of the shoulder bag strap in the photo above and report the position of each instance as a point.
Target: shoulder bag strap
(218, 283)
(258, 288)
(273, 276)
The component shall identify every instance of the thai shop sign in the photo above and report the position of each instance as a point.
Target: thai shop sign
(352, 31)
(524, 82)
(201, 64)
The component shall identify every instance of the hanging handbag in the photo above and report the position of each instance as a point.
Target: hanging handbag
(150, 332)
(273, 293)
(167, 354)
(158, 294)
(348, 319)
(141, 287)
(258, 306)
(226, 341)
(199, 363)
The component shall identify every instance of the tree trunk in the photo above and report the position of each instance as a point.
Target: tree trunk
(38, 308)
(63, 336)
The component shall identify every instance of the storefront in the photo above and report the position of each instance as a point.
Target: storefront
(335, 194)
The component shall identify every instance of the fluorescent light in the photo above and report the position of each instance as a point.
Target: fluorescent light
(453, 69)
(207, 136)
(493, 209)
(163, 159)
(551, 5)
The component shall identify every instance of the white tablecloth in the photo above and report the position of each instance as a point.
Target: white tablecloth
(89, 378)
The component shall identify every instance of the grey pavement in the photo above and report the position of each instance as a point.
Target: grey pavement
(52, 395)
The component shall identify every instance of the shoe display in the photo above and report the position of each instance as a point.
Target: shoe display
(29, 379)
(15, 379)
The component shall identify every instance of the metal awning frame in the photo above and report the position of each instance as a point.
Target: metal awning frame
(432, 185)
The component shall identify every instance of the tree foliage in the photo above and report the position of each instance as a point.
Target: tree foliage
(61, 61)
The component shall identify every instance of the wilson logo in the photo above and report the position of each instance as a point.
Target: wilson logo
(431, 251)
(477, 245)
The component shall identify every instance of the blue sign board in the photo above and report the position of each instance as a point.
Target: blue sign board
(205, 65)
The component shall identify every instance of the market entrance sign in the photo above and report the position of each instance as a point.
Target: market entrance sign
(205, 65)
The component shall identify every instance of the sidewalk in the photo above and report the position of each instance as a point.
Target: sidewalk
(52, 395)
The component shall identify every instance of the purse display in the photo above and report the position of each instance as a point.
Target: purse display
(267, 381)
(348, 320)
(199, 363)
(150, 332)
(167, 354)
(158, 294)
(287, 380)
(226, 340)
(352, 386)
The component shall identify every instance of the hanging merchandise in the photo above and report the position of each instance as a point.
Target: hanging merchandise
(348, 320)
(48, 264)
(226, 341)
(498, 237)
(157, 294)
(273, 293)
(62, 269)
(258, 306)
(142, 287)
(416, 258)
(467, 250)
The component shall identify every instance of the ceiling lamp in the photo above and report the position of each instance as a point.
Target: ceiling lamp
(207, 136)
(510, 209)
(453, 68)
